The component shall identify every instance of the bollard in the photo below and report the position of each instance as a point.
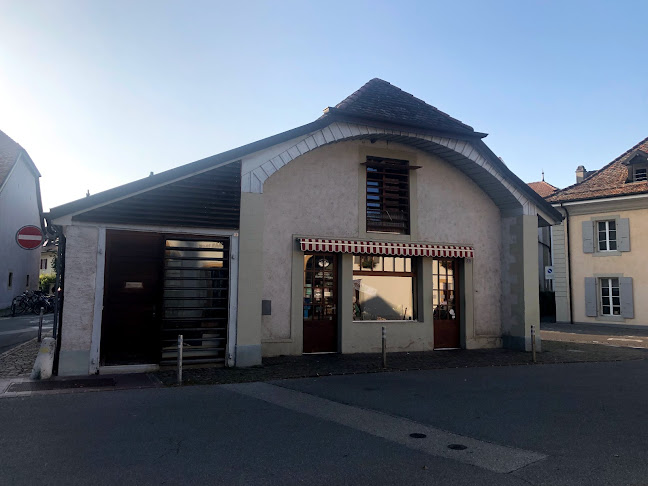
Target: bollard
(179, 359)
(533, 343)
(40, 325)
(384, 346)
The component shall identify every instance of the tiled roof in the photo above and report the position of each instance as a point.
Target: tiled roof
(543, 188)
(9, 151)
(380, 100)
(610, 181)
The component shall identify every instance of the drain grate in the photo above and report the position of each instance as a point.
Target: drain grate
(457, 447)
(418, 435)
(61, 385)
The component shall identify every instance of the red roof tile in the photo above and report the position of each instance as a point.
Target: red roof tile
(610, 181)
(543, 188)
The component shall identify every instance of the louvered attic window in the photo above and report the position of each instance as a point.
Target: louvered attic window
(388, 208)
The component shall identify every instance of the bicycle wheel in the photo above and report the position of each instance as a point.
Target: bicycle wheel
(20, 305)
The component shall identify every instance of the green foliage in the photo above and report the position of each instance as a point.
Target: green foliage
(46, 281)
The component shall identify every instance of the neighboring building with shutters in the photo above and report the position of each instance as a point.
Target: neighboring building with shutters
(545, 257)
(20, 205)
(599, 250)
(48, 258)
(382, 212)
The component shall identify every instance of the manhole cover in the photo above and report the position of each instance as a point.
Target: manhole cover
(457, 447)
(418, 435)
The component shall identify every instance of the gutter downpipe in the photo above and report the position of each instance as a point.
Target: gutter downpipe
(569, 275)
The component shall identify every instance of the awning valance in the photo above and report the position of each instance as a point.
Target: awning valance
(385, 248)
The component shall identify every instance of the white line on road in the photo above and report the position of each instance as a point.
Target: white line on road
(478, 453)
(624, 339)
(24, 329)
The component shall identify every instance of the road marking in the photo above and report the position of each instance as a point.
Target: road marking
(623, 339)
(24, 329)
(478, 453)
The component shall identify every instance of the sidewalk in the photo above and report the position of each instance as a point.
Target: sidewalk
(284, 367)
(20, 360)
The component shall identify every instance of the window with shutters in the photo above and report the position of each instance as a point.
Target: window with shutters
(607, 235)
(640, 174)
(388, 208)
(610, 298)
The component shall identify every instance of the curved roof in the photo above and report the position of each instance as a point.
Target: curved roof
(377, 102)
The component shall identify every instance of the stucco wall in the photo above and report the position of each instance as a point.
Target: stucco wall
(631, 264)
(453, 209)
(18, 207)
(78, 307)
(317, 194)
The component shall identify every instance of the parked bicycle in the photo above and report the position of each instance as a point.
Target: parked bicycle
(32, 301)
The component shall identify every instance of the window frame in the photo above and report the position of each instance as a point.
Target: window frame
(610, 295)
(607, 240)
(412, 273)
(393, 171)
(640, 167)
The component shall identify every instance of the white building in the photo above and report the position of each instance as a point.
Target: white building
(20, 205)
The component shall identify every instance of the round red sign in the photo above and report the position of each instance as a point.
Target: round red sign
(29, 237)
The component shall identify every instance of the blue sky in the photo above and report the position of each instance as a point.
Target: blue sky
(101, 93)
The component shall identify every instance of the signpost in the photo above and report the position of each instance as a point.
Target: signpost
(29, 237)
(549, 272)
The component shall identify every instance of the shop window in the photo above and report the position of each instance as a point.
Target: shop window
(388, 195)
(384, 288)
(610, 303)
(607, 235)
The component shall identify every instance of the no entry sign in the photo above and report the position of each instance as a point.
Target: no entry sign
(29, 237)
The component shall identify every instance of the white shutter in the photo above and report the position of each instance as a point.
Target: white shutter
(627, 299)
(623, 234)
(588, 237)
(590, 297)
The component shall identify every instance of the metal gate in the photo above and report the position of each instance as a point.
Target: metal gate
(195, 300)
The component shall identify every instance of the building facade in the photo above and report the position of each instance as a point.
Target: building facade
(545, 258)
(48, 258)
(383, 212)
(600, 269)
(20, 205)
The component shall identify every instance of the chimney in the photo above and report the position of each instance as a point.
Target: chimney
(581, 173)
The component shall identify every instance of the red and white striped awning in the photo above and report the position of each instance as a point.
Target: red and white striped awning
(385, 248)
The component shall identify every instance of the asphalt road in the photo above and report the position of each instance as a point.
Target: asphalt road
(17, 330)
(576, 424)
(620, 336)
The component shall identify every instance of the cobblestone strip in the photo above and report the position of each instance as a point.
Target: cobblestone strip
(19, 361)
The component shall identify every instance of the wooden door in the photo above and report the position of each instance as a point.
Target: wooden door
(132, 293)
(445, 299)
(320, 303)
